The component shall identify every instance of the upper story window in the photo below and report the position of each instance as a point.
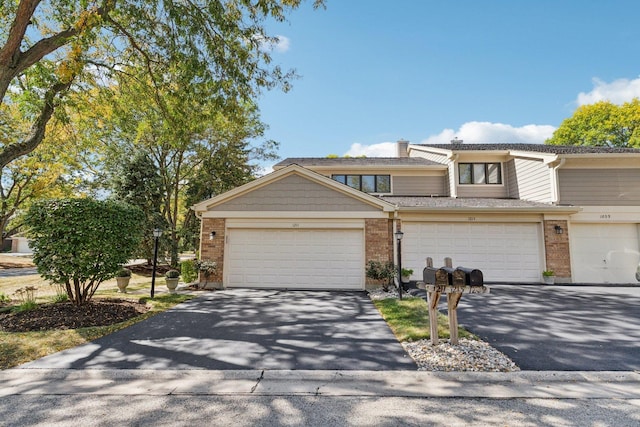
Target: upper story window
(479, 173)
(366, 183)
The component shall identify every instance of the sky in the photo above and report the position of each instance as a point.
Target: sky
(485, 71)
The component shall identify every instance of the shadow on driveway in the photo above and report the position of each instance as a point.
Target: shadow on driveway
(559, 328)
(249, 329)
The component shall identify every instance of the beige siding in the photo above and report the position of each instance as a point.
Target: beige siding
(484, 191)
(295, 193)
(440, 158)
(418, 185)
(599, 187)
(511, 179)
(530, 180)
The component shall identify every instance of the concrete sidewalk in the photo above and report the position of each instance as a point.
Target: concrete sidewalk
(524, 384)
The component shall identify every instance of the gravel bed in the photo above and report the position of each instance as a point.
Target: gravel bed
(468, 355)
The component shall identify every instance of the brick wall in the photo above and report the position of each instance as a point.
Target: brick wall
(378, 236)
(213, 250)
(557, 250)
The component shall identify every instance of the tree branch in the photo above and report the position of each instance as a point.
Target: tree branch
(36, 135)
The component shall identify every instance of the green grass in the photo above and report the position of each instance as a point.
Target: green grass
(409, 319)
(17, 348)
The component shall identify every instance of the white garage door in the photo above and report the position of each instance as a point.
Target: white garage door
(295, 259)
(504, 252)
(604, 253)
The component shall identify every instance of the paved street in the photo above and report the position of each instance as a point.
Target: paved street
(557, 328)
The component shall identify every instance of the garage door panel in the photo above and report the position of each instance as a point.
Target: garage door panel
(504, 252)
(303, 259)
(604, 253)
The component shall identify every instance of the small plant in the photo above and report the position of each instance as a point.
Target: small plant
(172, 274)
(4, 299)
(188, 271)
(207, 268)
(60, 297)
(407, 272)
(384, 271)
(26, 294)
(123, 272)
(548, 273)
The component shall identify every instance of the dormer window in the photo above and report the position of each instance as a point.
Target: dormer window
(479, 173)
(368, 183)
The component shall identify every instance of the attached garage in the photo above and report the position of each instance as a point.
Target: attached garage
(605, 253)
(295, 258)
(505, 252)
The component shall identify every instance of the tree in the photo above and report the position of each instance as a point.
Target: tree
(220, 41)
(138, 183)
(79, 243)
(601, 124)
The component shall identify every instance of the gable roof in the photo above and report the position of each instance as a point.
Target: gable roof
(288, 171)
(356, 161)
(535, 148)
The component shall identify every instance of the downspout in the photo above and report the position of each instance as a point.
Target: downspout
(555, 182)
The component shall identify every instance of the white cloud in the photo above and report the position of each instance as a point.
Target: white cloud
(382, 149)
(281, 44)
(487, 132)
(618, 91)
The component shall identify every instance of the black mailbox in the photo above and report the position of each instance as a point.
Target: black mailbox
(470, 276)
(436, 276)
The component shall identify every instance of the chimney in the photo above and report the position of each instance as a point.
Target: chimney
(402, 148)
(455, 141)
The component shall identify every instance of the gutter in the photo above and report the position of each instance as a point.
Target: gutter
(555, 182)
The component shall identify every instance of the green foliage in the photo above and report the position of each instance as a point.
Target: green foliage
(172, 274)
(548, 273)
(4, 299)
(188, 271)
(25, 306)
(60, 298)
(383, 271)
(407, 272)
(601, 124)
(123, 272)
(79, 243)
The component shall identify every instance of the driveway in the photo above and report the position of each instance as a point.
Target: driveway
(249, 329)
(561, 328)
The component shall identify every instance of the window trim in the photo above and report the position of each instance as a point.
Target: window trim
(346, 175)
(486, 173)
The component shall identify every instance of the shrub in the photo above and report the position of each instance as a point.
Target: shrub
(188, 271)
(60, 298)
(383, 271)
(172, 274)
(79, 243)
(207, 268)
(123, 272)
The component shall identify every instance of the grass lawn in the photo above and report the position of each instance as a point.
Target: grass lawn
(409, 319)
(21, 347)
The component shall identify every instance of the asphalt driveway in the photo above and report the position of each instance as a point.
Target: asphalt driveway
(559, 328)
(249, 329)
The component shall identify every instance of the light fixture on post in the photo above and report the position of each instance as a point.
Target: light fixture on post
(558, 229)
(399, 234)
(156, 235)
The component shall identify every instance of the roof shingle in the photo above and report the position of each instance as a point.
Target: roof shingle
(539, 148)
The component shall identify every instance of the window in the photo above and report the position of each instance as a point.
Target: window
(479, 173)
(366, 183)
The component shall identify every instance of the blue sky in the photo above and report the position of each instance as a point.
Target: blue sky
(376, 71)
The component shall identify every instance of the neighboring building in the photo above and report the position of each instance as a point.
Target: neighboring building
(511, 210)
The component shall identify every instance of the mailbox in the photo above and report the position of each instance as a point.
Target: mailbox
(469, 276)
(436, 276)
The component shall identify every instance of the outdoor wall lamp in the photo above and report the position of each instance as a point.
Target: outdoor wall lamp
(558, 229)
(212, 235)
(156, 235)
(399, 234)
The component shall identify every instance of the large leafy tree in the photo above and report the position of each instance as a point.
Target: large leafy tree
(79, 243)
(601, 124)
(220, 41)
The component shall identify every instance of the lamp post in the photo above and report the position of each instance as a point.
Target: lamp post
(156, 235)
(399, 235)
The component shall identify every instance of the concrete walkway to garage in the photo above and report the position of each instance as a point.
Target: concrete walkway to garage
(249, 329)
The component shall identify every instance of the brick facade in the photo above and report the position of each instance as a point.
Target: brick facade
(213, 250)
(556, 247)
(378, 239)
